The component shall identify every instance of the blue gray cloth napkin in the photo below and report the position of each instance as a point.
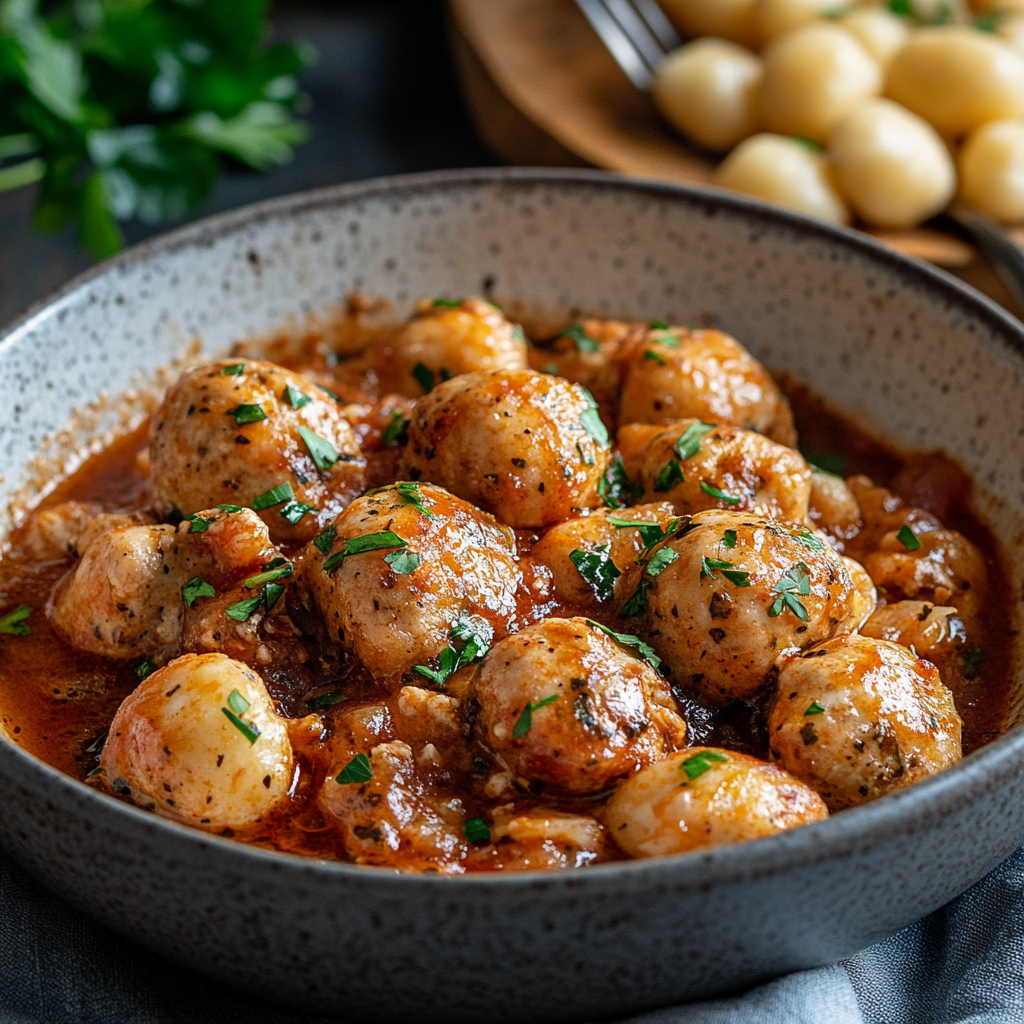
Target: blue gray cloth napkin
(962, 965)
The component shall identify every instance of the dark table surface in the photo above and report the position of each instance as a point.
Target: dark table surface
(385, 100)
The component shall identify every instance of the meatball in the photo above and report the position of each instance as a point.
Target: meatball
(699, 466)
(857, 718)
(199, 741)
(528, 447)
(562, 704)
(704, 797)
(679, 373)
(445, 339)
(254, 434)
(740, 590)
(931, 630)
(69, 528)
(399, 568)
(388, 811)
(594, 559)
(833, 507)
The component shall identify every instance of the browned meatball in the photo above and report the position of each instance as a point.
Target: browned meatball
(678, 373)
(563, 704)
(857, 718)
(251, 433)
(527, 447)
(699, 466)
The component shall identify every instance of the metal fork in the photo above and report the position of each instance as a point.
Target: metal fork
(636, 33)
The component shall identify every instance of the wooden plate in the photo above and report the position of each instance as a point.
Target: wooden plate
(544, 91)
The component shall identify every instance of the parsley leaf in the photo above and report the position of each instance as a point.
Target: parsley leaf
(701, 762)
(795, 580)
(615, 488)
(653, 357)
(592, 423)
(475, 634)
(358, 769)
(809, 540)
(476, 830)
(234, 370)
(197, 587)
(325, 700)
(814, 709)
(197, 523)
(646, 652)
(597, 568)
(278, 572)
(275, 496)
(247, 414)
(424, 376)
(729, 539)
(360, 545)
(661, 560)
(403, 561)
(688, 443)
(323, 452)
(446, 303)
(295, 398)
(729, 499)
(908, 538)
(295, 510)
(524, 723)
(396, 430)
(670, 475)
(325, 540)
(582, 340)
(145, 668)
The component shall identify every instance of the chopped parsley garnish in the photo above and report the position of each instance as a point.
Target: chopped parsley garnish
(411, 494)
(197, 523)
(329, 392)
(444, 373)
(660, 561)
(831, 463)
(737, 577)
(615, 487)
(646, 652)
(666, 336)
(902, 8)
(729, 499)
(424, 376)
(650, 533)
(990, 21)
(592, 423)
(809, 541)
(585, 458)
(658, 325)
(360, 545)
(357, 770)
(637, 604)
(242, 610)
(814, 709)
(551, 369)
(670, 475)
(524, 723)
(272, 573)
(447, 303)
(908, 538)
(796, 580)
(729, 539)
(476, 830)
(403, 561)
(396, 428)
(323, 452)
(234, 370)
(275, 496)
(145, 668)
(689, 441)
(582, 340)
(325, 540)
(197, 587)
(811, 144)
(271, 594)
(239, 705)
(701, 762)
(597, 568)
(475, 634)
(247, 414)
(295, 510)
(230, 508)
(325, 700)
(651, 356)
(294, 397)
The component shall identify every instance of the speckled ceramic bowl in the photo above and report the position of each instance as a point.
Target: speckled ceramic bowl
(927, 361)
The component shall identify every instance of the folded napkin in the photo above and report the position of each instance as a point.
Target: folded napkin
(964, 964)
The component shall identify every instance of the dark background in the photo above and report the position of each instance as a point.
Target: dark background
(385, 100)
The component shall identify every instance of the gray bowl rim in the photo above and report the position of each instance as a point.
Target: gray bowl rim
(834, 839)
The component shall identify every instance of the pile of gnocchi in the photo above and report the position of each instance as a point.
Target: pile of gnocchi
(449, 599)
(878, 112)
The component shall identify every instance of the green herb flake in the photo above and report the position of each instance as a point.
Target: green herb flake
(410, 494)
(250, 732)
(524, 723)
(651, 356)
(597, 569)
(360, 545)
(584, 457)
(729, 499)
(295, 510)
(689, 441)
(796, 580)
(831, 463)
(397, 426)
(327, 391)
(809, 540)
(325, 700)
(145, 668)
(424, 376)
(272, 593)
(658, 325)
(197, 524)
(197, 587)
(275, 496)
(237, 703)
(729, 539)
(990, 21)
(403, 561)
(476, 830)
(579, 337)
(230, 509)
(243, 610)
(475, 635)
(281, 572)
(814, 709)
(234, 370)
(323, 452)
(637, 603)
(701, 762)
(357, 770)
(615, 488)
(660, 561)
(646, 652)
(294, 397)
(592, 423)
(247, 414)
(670, 475)
(447, 304)
(814, 147)
(908, 538)
(325, 539)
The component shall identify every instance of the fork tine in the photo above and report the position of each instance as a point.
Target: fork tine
(619, 44)
(659, 25)
(643, 39)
